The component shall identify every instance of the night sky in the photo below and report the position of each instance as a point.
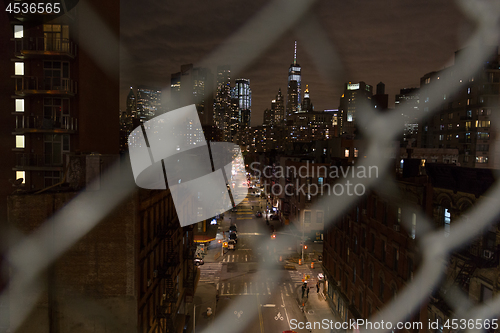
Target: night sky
(393, 41)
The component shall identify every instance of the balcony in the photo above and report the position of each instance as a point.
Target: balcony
(482, 256)
(31, 85)
(36, 124)
(38, 47)
(49, 162)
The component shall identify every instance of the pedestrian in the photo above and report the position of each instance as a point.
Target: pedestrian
(303, 289)
(317, 287)
(307, 292)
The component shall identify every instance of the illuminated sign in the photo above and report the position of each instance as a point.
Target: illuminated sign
(353, 86)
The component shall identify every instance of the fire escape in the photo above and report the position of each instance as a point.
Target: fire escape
(477, 257)
(189, 254)
(168, 272)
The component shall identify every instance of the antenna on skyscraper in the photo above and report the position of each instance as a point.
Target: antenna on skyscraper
(295, 54)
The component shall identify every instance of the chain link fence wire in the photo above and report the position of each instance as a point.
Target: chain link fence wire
(29, 256)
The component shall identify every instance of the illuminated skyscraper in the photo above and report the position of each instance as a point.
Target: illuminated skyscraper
(294, 99)
(148, 102)
(307, 105)
(243, 94)
(222, 101)
(278, 108)
(193, 85)
(355, 97)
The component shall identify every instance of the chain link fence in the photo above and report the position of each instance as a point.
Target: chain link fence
(28, 256)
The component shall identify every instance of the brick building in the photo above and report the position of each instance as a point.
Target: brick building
(133, 272)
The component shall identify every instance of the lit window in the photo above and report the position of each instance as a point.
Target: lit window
(19, 105)
(18, 31)
(413, 225)
(19, 141)
(447, 220)
(356, 152)
(19, 68)
(346, 153)
(21, 174)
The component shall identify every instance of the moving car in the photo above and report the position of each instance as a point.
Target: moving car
(233, 236)
(198, 261)
(231, 244)
(232, 228)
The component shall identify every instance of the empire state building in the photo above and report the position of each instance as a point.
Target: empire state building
(294, 99)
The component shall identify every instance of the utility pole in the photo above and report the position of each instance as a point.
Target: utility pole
(303, 242)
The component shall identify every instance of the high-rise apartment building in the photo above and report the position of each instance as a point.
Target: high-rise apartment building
(222, 100)
(355, 97)
(148, 103)
(193, 85)
(52, 95)
(294, 100)
(464, 120)
(278, 107)
(409, 97)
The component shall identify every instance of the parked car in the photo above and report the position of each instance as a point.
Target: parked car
(198, 261)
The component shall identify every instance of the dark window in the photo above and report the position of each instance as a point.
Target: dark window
(410, 269)
(374, 209)
(396, 259)
(384, 252)
(381, 288)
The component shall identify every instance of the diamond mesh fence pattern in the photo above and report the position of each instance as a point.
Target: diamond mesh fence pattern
(29, 256)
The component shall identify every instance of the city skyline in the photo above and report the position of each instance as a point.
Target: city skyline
(392, 43)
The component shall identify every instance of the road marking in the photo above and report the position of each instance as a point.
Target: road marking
(246, 257)
(286, 313)
(269, 305)
(250, 287)
(228, 287)
(246, 289)
(217, 285)
(268, 289)
(234, 288)
(233, 258)
(260, 317)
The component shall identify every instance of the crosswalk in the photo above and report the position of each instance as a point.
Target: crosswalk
(245, 258)
(209, 272)
(228, 288)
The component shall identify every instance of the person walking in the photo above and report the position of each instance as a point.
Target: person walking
(308, 292)
(317, 287)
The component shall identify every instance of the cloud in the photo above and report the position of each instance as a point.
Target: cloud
(394, 41)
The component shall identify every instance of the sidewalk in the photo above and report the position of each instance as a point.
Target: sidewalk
(204, 298)
(316, 306)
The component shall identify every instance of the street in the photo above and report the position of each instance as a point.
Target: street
(256, 293)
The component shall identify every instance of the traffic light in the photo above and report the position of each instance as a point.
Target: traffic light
(305, 247)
